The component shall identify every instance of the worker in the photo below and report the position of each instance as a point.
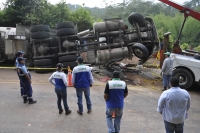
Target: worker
(114, 94)
(173, 105)
(19, 54)
(25, 79)
(167, 70)
(82, 80)
(58, 79)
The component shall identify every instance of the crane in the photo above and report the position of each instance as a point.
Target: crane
(187, 12)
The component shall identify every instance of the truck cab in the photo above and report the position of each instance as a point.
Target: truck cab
(187, 69)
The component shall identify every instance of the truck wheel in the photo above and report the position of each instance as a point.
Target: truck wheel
(65, 31)
(36, 28)
(40, 35)
(136, 17)
(140, 51)
(64, 25)
(67, 58)
(42, 62)
(185, 78)
(71, 64)
(197, 56)
(43, 70)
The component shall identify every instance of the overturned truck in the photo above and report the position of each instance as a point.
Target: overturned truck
(108, 42)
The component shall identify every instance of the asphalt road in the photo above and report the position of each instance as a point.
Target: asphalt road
(140, 115)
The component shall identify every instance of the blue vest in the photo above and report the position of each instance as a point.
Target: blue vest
(58, 78)
(83, 77)
(116, 94)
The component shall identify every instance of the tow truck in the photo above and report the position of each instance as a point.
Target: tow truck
(186, 66)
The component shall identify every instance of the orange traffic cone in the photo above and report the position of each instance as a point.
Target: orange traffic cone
(69, 77)
(113, 114)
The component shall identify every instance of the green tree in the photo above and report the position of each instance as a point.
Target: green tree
(82, 18)
(184, 46)
(16, 10)
(197, 49)
(48, 14)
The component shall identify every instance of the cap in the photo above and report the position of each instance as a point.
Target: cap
(80, 60)
(20, 59)
(167, 53)
(20, 53)
(116, 74)
(59, 65)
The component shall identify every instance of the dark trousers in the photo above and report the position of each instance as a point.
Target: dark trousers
(21, 86)
(27, 89)
(21, 89)
(173, 128)
(61, 95)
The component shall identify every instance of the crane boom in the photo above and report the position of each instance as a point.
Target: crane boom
(187, 11)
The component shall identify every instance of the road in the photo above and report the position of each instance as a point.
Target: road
(140, 115)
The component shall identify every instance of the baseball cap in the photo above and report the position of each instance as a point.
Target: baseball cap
(80, 59)
(59, 65)
(116, 74)
(167, 53)
(20, 59)
(20, 53)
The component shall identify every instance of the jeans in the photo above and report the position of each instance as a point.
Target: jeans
(79, 93)
(166, 80)
(171, 128)
(117, 121)
(61, 94)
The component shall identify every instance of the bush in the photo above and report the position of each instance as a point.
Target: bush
(197, 49)
(184, 46)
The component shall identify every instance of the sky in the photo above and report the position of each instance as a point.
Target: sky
(93, 3)
(101, 3)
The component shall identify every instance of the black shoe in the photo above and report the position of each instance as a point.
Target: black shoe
(68, 112)
(32, 101)
(89, 111)
(60, 111)
(79, 113)
(25, 99)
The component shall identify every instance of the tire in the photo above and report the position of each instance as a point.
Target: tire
(197, 56)
(136, 17)
(64, 25)
(42, 62)
(185, 78)
(43, 70)
(71, 64)
(67, 58)
(140, 51)
(65, 31)
(40, 35)
(36, 28)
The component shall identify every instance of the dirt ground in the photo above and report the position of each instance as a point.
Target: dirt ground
(148, 77)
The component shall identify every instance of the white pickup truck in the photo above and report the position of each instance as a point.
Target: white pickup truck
(187, 69)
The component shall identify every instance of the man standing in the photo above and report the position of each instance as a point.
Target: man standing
(19, 54)
(58, 79)
(82, 80)
(173, 105)
(25, 79)
(114, 94)
(167, 70)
